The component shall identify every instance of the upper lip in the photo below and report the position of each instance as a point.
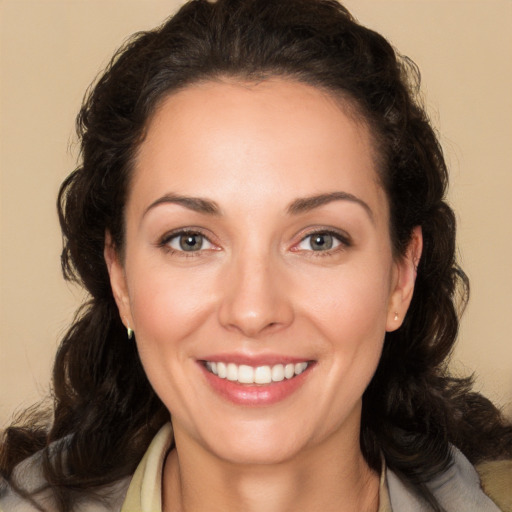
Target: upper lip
(254, 360)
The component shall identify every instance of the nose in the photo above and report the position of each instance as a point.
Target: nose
(256, 297)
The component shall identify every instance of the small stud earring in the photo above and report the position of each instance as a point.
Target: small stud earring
(396, 316)
(129, 332)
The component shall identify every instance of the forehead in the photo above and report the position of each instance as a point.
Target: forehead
(246, 140)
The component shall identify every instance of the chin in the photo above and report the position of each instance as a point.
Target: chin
(261, 452)
(251, 443)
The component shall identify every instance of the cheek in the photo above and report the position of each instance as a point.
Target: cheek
(167, 306)
(169, 309)
(351, 317)
(351, 303)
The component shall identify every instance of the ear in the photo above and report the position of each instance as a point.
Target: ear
(404, 280)
(117, 280)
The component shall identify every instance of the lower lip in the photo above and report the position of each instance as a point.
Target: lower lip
(254, 394)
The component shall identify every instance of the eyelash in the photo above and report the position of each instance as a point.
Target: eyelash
(341, 238)
(165, 241)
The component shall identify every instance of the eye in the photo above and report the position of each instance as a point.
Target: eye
(190, 241)
(322, 241)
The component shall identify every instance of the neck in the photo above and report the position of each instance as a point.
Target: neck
(332, 477)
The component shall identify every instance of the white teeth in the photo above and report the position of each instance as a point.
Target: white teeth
(277, 373)
(232, 372)
(289, 371)
(263, 375)
(222, 370)
(245, 374)
(300, 367)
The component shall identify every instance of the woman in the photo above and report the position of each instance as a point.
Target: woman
(259, 219)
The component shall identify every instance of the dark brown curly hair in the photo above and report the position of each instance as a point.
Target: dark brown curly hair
(412, 408)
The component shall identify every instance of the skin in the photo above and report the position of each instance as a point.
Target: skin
(257, 287)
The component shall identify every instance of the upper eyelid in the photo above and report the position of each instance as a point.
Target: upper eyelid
(164, 242)
(344, 241)
(341, 235)
(173, 233)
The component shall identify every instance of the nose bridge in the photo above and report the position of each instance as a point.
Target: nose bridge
(254, 298)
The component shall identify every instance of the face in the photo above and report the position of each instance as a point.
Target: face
(258, 273)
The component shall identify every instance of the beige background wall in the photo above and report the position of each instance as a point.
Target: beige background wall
(51, 50)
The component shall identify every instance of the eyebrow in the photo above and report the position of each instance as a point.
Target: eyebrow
(307, 204)
(296, 207)
(196, 204)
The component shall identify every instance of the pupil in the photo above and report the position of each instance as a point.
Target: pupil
(321, 242)
(191, 242)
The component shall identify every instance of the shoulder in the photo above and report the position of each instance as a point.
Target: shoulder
(487, 488)
(28, 491)
(496, 481)
(128, 493)
(27, 478)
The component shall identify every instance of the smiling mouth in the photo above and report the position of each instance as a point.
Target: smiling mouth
(245, 374)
